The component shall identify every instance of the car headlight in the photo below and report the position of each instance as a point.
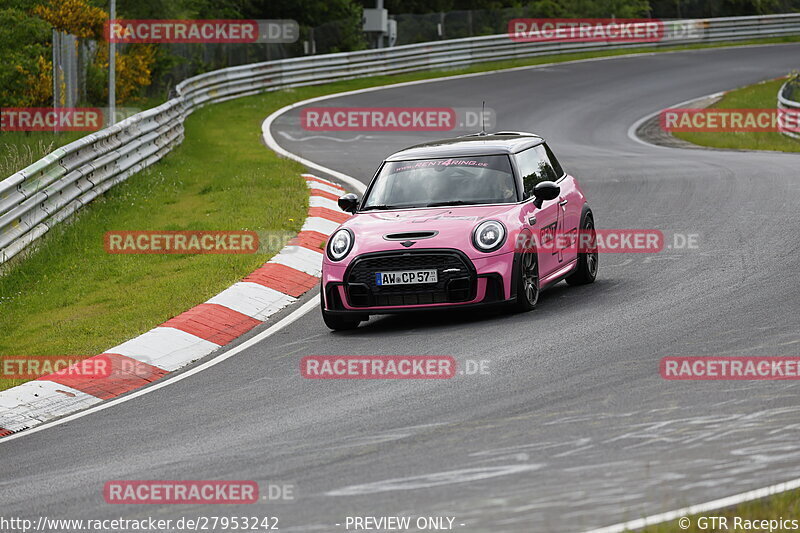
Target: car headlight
(340, 244)
(489, 236)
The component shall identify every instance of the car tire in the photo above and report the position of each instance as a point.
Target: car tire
(337, 322)
(586, 271)
(527, 281)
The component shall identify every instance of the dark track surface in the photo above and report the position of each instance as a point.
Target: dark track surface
(573, 428)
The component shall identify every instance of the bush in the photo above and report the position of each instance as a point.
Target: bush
(24, 47)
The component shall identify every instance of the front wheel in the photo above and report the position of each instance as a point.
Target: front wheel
(337, 322)
(527, 281)
(586, 271)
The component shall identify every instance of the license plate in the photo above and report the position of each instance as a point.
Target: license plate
(406, 277)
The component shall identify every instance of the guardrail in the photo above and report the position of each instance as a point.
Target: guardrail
(788, 97)
(35, 199)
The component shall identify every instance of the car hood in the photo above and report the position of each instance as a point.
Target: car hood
(452, 226)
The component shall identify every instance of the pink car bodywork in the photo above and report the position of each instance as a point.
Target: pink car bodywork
(388, 239)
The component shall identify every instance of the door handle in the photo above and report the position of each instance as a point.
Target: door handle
(532, 220)
(563, 202)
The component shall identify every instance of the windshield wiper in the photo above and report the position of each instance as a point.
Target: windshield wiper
(380, 206)
(449, 202)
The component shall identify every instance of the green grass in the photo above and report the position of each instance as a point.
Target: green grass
(69, 297)
(762, 95)
(18, 149)
(785, 505)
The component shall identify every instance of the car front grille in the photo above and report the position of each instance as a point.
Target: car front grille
(456, 279)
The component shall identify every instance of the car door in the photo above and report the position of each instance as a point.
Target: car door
(569, 210)
(548, 228)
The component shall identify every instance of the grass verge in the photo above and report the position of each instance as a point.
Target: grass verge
(69, 297)
(743, 518)
(762, 95)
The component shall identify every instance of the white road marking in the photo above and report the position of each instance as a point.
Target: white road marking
(635, 126)
(325, 137)
(713, 505)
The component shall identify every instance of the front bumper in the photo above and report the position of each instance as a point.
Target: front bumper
(462, 282)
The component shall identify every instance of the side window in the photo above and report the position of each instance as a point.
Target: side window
(534, 166)
(553, 161)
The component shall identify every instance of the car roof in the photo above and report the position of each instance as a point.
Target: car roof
(504, 142)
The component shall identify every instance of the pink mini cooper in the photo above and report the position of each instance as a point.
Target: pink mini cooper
(440, 225)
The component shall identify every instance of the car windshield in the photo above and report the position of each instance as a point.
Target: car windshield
(441, 182)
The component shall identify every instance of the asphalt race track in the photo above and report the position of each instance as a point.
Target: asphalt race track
(573, 428)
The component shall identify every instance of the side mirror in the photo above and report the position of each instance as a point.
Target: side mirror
(348, 202)
(545, 190)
